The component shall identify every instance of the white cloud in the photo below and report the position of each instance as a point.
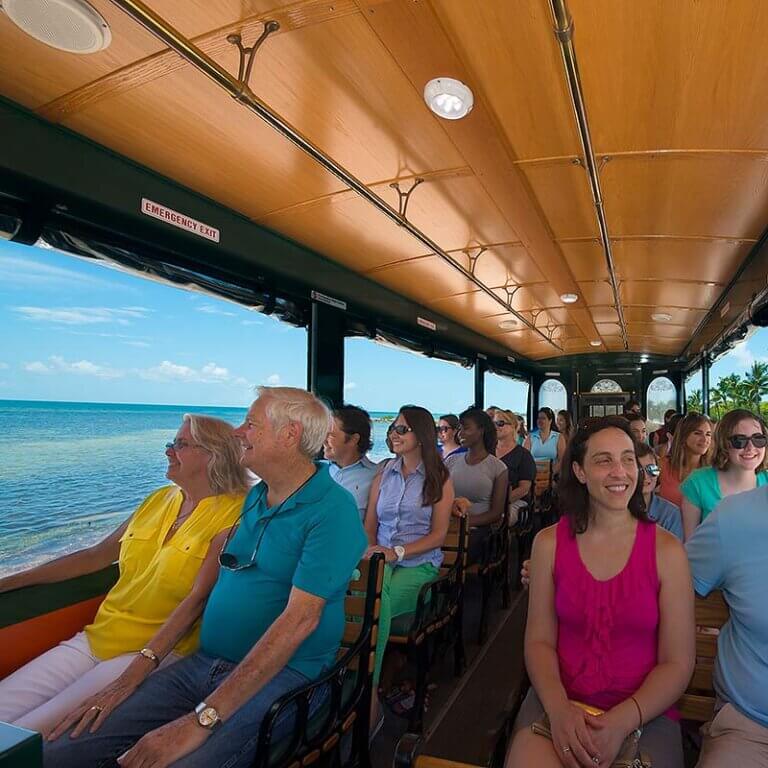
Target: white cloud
(273, 380)
(142, 344)
(168, 371)
(57, 364)
(82, 315)
(23, 272)
(350, 385)
(209, 309)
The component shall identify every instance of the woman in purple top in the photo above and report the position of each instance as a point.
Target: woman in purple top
(610, 616)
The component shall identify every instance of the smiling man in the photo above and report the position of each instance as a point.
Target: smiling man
(275, 617)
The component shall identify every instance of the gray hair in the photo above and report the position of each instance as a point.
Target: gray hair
(286, 404)
(225, 472)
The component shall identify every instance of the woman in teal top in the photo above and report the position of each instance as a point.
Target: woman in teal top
(546, 443)
(739, 465)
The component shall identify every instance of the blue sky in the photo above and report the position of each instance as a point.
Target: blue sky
(74, 329)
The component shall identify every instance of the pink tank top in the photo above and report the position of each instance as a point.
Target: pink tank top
(607, 638)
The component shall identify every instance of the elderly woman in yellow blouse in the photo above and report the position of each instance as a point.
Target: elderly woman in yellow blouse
(168, 552)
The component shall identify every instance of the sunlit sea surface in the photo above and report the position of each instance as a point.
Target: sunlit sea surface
(72, 472)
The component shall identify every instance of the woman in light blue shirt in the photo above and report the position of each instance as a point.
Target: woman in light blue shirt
(546, 443)
(739, 465)
(409, 510)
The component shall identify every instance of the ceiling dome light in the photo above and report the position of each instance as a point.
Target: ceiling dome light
(507, 324)
(448, 98)
(595, 343)
(661, 317)
(569, 298)
(69, 25)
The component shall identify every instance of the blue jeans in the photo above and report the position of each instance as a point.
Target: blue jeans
(166, 696)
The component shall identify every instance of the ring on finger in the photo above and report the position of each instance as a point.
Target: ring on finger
(97, 708)
(566, 750)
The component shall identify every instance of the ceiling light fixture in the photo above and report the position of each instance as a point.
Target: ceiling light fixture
(507, 324)
(69, 25)
(595, 343)
(569, 298)
(661, 317)
(448, 98)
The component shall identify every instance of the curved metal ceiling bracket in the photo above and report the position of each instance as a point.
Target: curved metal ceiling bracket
(473, 258)
(247, 55)
(511, 292)
(403, 198)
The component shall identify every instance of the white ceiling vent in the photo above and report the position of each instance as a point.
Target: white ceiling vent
(69, 25)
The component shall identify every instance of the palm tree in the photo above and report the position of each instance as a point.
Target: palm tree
(694, 402)
(732, 388)
(718, 402)
(756, 385)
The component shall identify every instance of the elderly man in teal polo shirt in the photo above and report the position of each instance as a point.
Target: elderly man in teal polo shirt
(273, 621)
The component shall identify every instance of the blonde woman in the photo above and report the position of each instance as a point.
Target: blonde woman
(739, 464)
(167, 552)
(690, 450)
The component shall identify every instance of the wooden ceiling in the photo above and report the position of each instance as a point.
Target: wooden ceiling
(675, 96)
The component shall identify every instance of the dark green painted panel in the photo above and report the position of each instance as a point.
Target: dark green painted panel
(26, 603)
(20, 748)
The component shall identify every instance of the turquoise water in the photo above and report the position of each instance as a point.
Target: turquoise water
(72, 472)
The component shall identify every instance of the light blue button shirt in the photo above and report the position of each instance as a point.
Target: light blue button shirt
(667, 515)
(357, 479)
(542, 451)
(403, 518)
(728, 552)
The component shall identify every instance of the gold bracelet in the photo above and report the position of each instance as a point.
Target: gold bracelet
(148, 653)
(639, 712)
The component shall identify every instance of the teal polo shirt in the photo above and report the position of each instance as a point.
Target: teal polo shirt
(314, 543)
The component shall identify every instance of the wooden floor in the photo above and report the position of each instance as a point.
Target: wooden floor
(464, 712)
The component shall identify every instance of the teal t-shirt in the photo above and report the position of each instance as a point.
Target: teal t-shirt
(702, 489)
(314, 543)
(728, 551)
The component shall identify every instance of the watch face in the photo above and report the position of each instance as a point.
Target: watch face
(208, 717)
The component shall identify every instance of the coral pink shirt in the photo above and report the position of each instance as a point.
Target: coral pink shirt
(608, 631)
(669, 484)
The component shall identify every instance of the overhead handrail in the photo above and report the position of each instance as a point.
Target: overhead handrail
(241, 92)
(564, 35)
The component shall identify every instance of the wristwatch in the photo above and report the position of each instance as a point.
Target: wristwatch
(399, 552)
(207, 717)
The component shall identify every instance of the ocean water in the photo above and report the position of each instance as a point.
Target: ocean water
(72, 472)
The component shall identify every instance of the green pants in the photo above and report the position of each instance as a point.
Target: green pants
(399, 594)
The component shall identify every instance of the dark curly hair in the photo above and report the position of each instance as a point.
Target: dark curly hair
(573, 495)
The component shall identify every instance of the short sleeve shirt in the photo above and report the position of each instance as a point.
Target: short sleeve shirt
(702, 489)
(728, 552)
(667, 515)
(357, 479)
(312, 542)
(520, 466)
(475, 481)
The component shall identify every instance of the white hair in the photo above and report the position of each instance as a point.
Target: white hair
(286, 404)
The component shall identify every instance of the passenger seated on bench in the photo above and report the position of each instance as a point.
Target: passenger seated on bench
(661, 511)
(479, 477)
(638, 427)
(728, 552)
(739, 465)
(274, 619)
(610, 616)
(544, 442)
(167, 551)
(691, 446)
(448, 436)
(408, 515)
(346, 447)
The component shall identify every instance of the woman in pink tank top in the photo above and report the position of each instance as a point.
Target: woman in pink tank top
(610, 616)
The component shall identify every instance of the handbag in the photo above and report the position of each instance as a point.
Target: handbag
(629, 755)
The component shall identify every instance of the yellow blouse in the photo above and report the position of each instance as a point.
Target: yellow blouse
(156, 577)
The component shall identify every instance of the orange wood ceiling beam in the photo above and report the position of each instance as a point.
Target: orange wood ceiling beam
(417, 41)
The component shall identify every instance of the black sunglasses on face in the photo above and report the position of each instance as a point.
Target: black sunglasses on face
(443, 429)
(500, 424)
(401, 429)
(759, 440)
(653, 470)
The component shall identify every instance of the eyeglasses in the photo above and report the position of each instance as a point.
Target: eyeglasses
(759, 440)
(400, 429)
(653, 470)
(180, 445)
(500, 424)
(439, 429)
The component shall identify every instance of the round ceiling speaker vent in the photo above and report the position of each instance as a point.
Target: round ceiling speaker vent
(69, 25)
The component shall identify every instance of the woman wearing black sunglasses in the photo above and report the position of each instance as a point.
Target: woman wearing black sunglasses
(448, 436)
(739, 465)
(663, 512)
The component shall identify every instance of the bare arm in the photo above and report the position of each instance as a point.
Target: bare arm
(677, 640)
(521, 491)
(560, 454)
(270, 654)
(527, 443)
(87, 560)
(496, 508)
(691, 518)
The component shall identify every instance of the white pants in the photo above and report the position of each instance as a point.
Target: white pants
(40, 694)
